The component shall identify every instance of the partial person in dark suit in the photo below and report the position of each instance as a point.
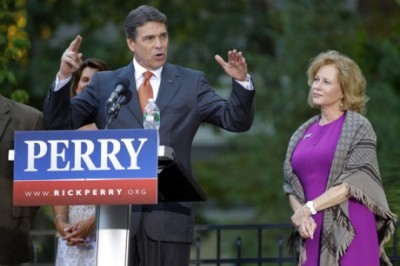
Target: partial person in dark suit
(16, 245)
(160, 234)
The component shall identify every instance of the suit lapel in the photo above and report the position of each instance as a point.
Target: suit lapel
(169, 87)
(133, 105)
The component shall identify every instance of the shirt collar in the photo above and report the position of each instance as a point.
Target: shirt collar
(139, 70)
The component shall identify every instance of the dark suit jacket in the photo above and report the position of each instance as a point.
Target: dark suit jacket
(185, 99)
(15, 222)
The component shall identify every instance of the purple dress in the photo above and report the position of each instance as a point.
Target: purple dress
(311, 162)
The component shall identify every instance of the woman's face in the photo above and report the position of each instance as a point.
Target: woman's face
(86, 76)
(326, 91)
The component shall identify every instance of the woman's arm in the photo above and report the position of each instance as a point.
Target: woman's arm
(331, 197)
(306, 226)
(61, 218)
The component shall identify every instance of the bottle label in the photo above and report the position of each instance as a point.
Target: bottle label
(149, 118)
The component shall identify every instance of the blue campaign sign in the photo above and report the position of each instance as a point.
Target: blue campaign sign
(85, 154)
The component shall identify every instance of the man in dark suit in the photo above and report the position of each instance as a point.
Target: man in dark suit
(161, 234)
(15, 222)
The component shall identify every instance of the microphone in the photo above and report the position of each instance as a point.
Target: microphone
(121, 100)
(120, 88)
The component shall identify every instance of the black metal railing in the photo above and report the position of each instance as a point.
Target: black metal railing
(260, 248)
(233, 245)
(267, 251)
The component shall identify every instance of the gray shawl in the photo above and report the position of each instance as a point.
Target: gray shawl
(355, 164)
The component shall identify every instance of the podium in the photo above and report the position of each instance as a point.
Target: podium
(113, 221)
(77, 167)
(174, 182)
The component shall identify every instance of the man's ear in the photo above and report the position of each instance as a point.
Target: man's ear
(131, 44)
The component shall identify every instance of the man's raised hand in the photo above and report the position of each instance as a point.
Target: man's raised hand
(71, 59)
(236, 66)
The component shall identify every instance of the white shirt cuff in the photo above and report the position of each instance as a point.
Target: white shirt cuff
(247, 84)
(58, 84)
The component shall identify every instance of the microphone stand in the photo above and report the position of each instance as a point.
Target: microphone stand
(111, 117)
(112, 233)
(112, 113)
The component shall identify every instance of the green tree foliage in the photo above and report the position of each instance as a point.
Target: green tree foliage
(14, 43)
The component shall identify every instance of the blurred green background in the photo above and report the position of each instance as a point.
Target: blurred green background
(241, 173)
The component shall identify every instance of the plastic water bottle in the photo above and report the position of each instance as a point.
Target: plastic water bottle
(151, 115)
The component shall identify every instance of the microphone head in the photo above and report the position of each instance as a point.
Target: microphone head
(122, 85)
(122, 100)
(124, 82)
(125, 94)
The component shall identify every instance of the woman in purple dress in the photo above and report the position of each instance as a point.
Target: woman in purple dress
(340, 212)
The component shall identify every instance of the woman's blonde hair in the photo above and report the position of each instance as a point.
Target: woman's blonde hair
(351, 79)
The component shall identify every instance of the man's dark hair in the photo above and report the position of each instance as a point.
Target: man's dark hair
(139, 16)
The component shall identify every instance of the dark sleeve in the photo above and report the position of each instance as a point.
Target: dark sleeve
(56, 108)
(235, 114)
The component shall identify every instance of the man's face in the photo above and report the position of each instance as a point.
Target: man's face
(151, 45)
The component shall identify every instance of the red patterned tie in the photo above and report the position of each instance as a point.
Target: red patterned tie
(145, 90)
